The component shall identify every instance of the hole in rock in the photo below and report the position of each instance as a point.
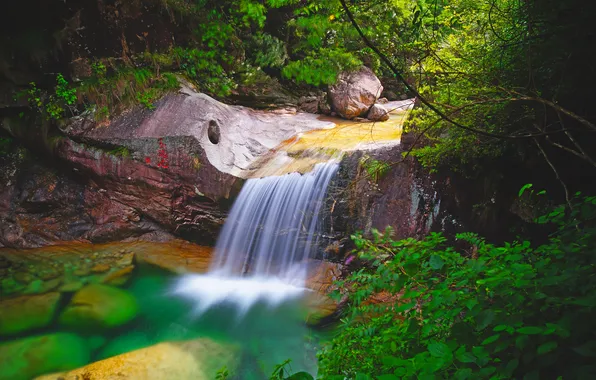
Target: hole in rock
(213, 132)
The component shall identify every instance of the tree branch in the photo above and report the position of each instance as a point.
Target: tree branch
(422, 99)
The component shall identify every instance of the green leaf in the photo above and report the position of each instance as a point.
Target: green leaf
(530, 330)
(546, 347)
(463, 374)
(512, 365)
(490, 339)
(524, 188)
(587, 349)
(466, 357)
(436, 262)
(484, 319)
(388, 377)
(439, 350)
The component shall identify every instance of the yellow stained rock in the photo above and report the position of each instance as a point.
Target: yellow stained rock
(191, 360)
(300, 153)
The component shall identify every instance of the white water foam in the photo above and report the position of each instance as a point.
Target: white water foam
(262, 250)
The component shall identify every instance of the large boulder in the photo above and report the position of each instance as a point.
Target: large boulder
(99, 306)
(355, 92)
(26, 358)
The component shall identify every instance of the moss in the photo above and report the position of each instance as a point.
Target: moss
(120, 151)
(196, 162)
(123, 88)
(99, 306)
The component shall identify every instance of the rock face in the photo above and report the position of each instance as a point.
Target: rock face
(354, 93)
(170, 171)
(192, 360)
(378, 113)
(99, 306)
(378, 189)
(26, 358)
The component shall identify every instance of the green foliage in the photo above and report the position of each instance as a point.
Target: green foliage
(5, 145)
(374, 168)
(146, 98)
(267, 51)
(201, 66)
(222, 374)
(472, 312)
(253, 12)
(322, 67)
(120, 151)
(283, 372)
(64, 92)
(52, 105)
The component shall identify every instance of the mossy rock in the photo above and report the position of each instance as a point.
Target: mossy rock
(27, 312)
(99, 306)
(26, 358)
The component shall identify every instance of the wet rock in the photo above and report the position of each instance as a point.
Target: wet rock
(378, 113)
(26, 358)
(177, 257)
(101, 306)
(100, 268)
(192, 360)
(321, 279)
(354, 93)
(118, 277)
(27, 312)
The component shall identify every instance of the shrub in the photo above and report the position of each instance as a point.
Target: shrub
(478, 311)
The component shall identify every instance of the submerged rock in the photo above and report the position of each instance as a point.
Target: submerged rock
(100, 306)
(355, 92)
(64, 268)
(192, 360)
(26, 358)
(125, 343)
(27, 312)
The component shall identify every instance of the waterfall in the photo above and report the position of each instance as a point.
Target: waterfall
(268, 236)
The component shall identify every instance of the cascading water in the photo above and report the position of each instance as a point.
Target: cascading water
(262, 250)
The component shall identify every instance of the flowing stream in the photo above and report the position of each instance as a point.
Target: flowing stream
(262, 251)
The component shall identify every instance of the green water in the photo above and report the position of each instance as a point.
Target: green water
(264, 336)
(267, 336)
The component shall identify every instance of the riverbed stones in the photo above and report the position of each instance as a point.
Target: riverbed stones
(198, 359)
(99, 306)
(27, 312)
(26, 358)
(354, 93)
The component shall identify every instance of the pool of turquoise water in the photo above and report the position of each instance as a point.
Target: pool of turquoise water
(266, 335)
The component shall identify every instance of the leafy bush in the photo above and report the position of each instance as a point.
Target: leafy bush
(322, 67)
(267, 51)
(472, 312)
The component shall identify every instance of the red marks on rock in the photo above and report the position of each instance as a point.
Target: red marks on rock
(162, 155)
